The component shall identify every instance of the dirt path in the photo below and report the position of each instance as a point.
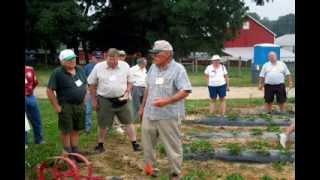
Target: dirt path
(201, 93)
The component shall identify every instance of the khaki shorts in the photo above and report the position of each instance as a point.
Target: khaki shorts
(71, 117)
(106, 113)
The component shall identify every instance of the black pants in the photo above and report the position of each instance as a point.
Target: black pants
(279, 90)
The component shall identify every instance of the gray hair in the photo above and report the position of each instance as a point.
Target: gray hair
(142, 60)
(274, 53)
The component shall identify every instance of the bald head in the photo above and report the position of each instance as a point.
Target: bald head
(272, 56)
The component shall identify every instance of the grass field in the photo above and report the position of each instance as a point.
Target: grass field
(236, 79)
(196, 78)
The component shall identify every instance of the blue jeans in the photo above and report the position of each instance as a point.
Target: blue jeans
(33, 115)
(89, 110)
(137, 96)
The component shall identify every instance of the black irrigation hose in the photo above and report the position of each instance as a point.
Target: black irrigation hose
(239, 122)
(222, 135)
(249, 156)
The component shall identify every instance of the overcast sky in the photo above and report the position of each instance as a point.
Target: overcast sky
(272, 10)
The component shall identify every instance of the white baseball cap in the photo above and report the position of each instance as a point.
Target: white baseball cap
(122, 52)
(67, 55)
(215, 57)
(161, 45)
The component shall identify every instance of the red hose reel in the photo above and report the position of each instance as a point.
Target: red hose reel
(63, 168)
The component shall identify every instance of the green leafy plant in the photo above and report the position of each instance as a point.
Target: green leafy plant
(278, 166)
(235, 176)
(256, 132)
(234, 148)
(196, 175)
(233, 116)
(273, 128)
(201, 146)
(261, 147)
(160, 148)
(234, 133)
(267, 117)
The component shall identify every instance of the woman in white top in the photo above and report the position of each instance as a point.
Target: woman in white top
(218, 83)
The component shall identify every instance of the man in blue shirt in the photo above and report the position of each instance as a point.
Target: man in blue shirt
(87, 69)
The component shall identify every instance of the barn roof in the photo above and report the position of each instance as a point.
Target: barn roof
(286, 40)
(261, 25)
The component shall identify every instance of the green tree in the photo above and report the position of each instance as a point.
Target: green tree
(53, 22)
(189, 25)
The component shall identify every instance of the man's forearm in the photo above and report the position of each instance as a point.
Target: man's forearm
(93, 91)
(52, 97)
(261, 81)
(129, 87)
(179, 96)
(289, 78)
(145, 95)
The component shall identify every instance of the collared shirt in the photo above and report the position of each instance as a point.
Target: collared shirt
(88, 68)
(69, 88)
(110, 82)
(30, 80)
(166, 83)
(216, 75)
(139, 76)
(274, 73)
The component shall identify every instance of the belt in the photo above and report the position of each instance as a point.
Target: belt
(109, 98)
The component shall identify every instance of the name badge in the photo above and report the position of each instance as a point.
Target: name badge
(159, 81)
(113, 78)
(78, 83)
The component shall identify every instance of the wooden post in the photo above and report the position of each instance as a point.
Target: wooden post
(239, 67)
(228, 62)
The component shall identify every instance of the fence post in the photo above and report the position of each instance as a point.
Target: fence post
(239, 67)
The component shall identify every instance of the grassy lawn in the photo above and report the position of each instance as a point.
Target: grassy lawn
(43, 74)
(236, 79)
(196, 78)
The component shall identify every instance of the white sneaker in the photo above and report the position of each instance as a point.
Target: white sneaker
(283, 139)
(120, 130)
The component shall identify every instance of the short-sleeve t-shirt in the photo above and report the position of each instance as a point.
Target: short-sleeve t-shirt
(274, 73)
(216, 76)
(69, 88)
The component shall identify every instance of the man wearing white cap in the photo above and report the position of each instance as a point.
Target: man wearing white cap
(162, 108)
(69, 82)
(218, 83)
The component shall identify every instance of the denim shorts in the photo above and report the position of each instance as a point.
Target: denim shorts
(215, 91)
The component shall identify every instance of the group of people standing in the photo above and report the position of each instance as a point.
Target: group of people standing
(271, 78)
(119, 93)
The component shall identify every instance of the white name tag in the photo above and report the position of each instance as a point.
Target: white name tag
(78, 83)
(113, 78)
(159, 80)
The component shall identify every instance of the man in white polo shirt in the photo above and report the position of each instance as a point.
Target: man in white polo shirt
(110, 83)
(272, 78)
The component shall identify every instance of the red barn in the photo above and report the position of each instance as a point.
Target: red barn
(252, 32)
